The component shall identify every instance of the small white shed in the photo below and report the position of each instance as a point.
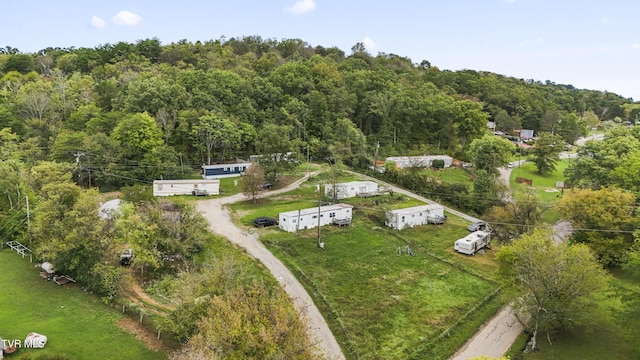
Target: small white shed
(413, 216)
(292, 221)
(351, 189)
(185, 187)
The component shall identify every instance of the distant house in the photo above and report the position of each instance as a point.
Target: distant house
(419, 161)
(413, 216)
(218, 171)
(351, 189)
(186, 187)
(292, 221)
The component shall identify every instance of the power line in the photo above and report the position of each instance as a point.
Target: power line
(123, 177)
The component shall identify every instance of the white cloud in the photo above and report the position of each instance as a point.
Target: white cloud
(369, 43)
(635, 46)
(301, 7)
(510, 1)
(97, 22)
(605, 21)
(126, 18)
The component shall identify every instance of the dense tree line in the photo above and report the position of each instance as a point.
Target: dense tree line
(138, 111)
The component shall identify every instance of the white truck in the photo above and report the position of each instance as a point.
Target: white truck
(473, 242)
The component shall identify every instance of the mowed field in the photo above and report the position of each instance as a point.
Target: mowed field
(382, 303)
(78, 325)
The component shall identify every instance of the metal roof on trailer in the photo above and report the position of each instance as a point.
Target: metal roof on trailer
(415, 209)
(314, 210)
(187, 181)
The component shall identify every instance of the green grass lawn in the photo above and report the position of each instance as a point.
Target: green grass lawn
(544, 185)
(378, 304)
(451, 176)
(77, 324)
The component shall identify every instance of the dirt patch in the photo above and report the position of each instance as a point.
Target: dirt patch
(140, 297)
(149, 339)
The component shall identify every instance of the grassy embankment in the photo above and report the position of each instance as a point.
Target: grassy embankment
(78, 325)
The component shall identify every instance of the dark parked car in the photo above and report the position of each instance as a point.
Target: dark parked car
(267, 185)
(478, 225)
(264, 222)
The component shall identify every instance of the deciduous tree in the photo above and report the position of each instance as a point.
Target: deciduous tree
(213, 132)
(557, 286)
(606, 219)
(546, 152)
(249, 323)
(490, 152)
(137, 134)
(253, 181)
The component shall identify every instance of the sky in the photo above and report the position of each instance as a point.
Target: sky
(585, 43)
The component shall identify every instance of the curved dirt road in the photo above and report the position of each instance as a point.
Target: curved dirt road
(220, 223)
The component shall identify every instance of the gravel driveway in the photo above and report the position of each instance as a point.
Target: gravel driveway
(220, 223)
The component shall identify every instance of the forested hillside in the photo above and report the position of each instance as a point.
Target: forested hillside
(134, 112)
(78, 122)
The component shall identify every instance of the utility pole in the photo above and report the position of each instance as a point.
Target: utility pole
(308, 160)
(28, 214)
(375, 157)
(320, 245)
(89, 172)
(78, 155)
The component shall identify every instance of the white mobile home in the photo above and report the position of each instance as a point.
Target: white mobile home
(186, 187)
(351, 189)
(419, 161)
(292, 221)
(217, 171)
(472, 242)
(413, 216)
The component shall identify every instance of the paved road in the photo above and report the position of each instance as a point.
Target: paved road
(581, 141)
(221, 223)
(494, 338)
